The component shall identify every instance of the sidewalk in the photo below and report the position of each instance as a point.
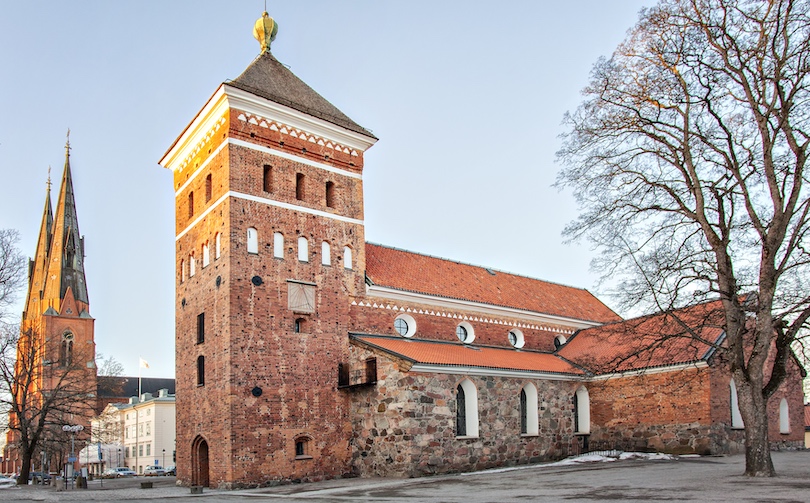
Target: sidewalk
(710, 479)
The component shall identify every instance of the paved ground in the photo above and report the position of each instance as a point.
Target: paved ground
(709, 479)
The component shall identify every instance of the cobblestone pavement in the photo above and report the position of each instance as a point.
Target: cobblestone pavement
(709, 479)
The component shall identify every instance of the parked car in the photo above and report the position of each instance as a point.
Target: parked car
(6, 482)
(121, 471)
(154, 470)
(172, 470)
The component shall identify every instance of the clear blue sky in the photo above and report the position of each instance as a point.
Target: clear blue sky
(466, 97)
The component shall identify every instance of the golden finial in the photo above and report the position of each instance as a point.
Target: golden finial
(49, 179)
(265, 31)
(67, 143)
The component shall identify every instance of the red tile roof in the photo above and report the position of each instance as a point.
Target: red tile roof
(681, 336)
(412, 272)
(420, 351)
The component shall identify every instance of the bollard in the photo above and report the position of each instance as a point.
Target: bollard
(196, 489)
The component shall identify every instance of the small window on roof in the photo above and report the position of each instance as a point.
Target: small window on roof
(405, 325)
(559, 341)
(516, 338)
(465, 332)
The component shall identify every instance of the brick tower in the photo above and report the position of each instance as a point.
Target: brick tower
(56, 351)
(270, 253)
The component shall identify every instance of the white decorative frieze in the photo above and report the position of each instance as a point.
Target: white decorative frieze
(294, 132)
(445, 314)
(200, 144)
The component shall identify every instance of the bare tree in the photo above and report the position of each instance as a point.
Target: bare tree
(108, 365)
(12, 270)
(41, 394)
(687, 157)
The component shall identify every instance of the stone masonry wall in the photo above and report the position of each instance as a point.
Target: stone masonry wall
(405, 425)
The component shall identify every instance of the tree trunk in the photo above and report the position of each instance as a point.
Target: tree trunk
(25, 469)
(754, 411)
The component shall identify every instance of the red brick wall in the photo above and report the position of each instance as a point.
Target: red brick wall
(249, 339)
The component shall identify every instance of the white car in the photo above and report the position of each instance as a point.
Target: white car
(154, 470)
(7, 482)
(122, 471)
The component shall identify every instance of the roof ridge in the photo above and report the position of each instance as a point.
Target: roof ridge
(478, 266)
(453, 343)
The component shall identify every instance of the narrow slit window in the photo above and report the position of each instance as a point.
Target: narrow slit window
(200, 328)
(326, 254)
(190, 204)
(208, 188)
(267, 181)
(200, 370)
(330, 194)
(299, 186)
(218, 245)
(303, 249)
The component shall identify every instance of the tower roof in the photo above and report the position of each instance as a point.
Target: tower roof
(38, 266)
(66, 264)
(267, 78)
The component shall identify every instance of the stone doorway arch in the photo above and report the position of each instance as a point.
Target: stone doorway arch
(199, 462)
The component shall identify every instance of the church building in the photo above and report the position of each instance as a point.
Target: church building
(305, 352)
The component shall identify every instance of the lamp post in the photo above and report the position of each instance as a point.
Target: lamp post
(119, 456)
(164, 459)
(72, 429)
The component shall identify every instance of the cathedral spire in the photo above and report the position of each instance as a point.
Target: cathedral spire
(66, 257)
(38, 266)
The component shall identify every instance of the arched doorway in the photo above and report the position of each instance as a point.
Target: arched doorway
(199, 462)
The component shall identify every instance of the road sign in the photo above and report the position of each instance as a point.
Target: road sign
(71, 459)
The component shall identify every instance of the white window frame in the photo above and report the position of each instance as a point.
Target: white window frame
(326, 253)
(532, 419)
(583, 411)
(471, 407)
(218, 245)
(278, 245)
(347, 257)
(784, 417)
(303, 249)
(736, 418)
(252, 240)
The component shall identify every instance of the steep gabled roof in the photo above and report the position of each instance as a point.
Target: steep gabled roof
(450, 354)
(412, 272)
(267, 78)
(674, 337)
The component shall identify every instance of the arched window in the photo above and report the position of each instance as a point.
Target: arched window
(784, 417)
(559, 341)
(330, 194)
(190, 204)
(466, 409)
(192, 265)
(278, 245)
(298, 325)
(465, 332)
(182, 271)
(66, 350)
(326, 254)
(208, 188)
(267, 183)
(302, 448)
(206, 254)
(217, 245)
(516, 339)
(582, 412)
(347, 257)
(299, 186)
(303, 249)
(201, 370)
(252, 240)
(529, 424)
(736, 417)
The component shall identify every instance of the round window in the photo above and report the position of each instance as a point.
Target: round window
(559, 341)
(461, 332)
(465, 333)
(516, 338)
(405, 325)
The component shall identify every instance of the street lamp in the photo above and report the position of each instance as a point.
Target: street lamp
(164, 458)
(72, 429)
